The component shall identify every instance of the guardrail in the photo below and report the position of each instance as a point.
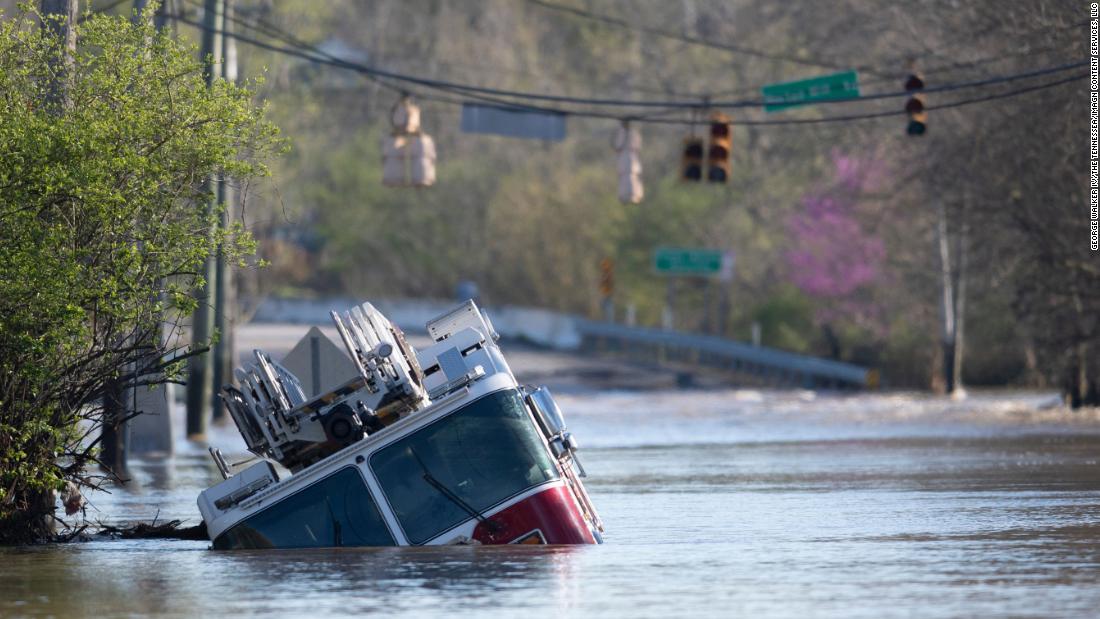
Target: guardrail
(769, 364)
(566, 332)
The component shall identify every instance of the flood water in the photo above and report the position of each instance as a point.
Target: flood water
(716, 504)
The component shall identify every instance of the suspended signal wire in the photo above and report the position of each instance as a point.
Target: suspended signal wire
(278, 33)
(289, 38)
(736, 49)
(942, 106)
(264, 27)
(881, 76)
(900, 76)
(491, 95)
(791, 121)
(773, 123)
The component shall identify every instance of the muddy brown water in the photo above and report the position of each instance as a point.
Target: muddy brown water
(717, 504)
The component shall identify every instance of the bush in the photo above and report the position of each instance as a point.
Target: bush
(103, 234)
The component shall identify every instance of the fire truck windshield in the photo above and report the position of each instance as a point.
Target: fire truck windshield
(484, 453)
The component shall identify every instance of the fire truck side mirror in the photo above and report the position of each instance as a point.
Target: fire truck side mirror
(546, 412)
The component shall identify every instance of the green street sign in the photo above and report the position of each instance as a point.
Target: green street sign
(700, 262)
(824, 88)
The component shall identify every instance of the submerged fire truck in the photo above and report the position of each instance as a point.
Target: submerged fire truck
(436, 446)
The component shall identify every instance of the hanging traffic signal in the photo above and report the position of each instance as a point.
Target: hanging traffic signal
(691, 163)
(408, 154)
(607, 277)
(721, 143)
(628, 143)
(918, 118)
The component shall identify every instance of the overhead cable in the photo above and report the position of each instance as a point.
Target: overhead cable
(493, 95)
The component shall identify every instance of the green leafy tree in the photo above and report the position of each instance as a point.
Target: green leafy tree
(103, 233)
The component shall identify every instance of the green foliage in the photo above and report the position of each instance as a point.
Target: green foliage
(104, 226)
(531, 221)
(786, 321)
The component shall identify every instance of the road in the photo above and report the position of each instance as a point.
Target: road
(561, 371)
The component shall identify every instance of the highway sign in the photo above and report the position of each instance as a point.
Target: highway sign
(513, 122)
(824, 88)
(699, 262)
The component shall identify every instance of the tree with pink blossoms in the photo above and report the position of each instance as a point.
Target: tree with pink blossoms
(833, 259)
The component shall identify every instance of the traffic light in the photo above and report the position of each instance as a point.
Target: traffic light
(918, 118)
(691, 163)
(421, 160)
(628, 142)
(607, 277)
(718, 155)
(408, 155)
(394, 157)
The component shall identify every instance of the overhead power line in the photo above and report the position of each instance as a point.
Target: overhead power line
(267, 28)
(942, 106)
(668, 34)
(881, 76)
(307, 53)
(789, 121)
(275, 32)
(494, 95)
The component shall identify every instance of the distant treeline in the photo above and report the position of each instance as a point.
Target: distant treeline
(841, 249)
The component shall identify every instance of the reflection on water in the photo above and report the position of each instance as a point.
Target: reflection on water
(184, 578)
(953, 523)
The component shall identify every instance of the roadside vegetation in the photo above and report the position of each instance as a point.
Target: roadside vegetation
(102, 236)
(835, 226)
(846, 234)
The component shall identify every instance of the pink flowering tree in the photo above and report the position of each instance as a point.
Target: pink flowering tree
(833, 258)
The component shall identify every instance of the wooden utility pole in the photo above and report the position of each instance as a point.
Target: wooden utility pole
(960, 299)
(120, 405)
(948, 332)
(160, 20)
(199, 379)
(225, 311)
(59, 19)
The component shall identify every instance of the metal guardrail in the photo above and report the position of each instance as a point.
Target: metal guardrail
(566, 332)
(711, 350)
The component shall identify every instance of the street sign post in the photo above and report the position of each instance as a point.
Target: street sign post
(824, 88)
(697, 262)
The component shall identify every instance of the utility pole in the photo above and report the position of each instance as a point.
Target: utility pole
(115, 429)
(668, 314)
(951, 305)
(960, 315)
(199, 379)
(948, 305)
(160, 20)
(225, 311)
(59, 19)
(960, 294)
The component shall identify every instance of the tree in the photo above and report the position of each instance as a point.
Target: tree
(833, 259)
(1013, 185)
(101, 236)
(495, 198)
